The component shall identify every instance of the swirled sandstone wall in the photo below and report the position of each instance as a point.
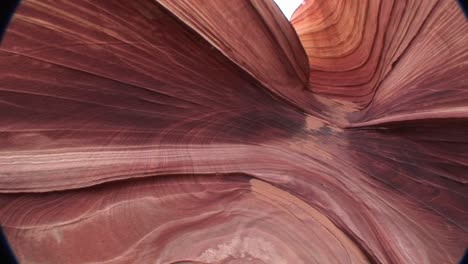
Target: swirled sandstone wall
(218, 132)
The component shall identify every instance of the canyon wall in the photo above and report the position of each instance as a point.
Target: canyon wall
(218, 132)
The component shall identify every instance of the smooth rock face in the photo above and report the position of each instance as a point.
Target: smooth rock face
(197, 132)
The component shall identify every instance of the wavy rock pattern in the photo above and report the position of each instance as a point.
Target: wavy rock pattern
(197, 132)
(395, 60)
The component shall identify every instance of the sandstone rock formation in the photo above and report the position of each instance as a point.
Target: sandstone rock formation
(210, 132)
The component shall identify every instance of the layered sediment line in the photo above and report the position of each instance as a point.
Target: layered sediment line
(217, 132)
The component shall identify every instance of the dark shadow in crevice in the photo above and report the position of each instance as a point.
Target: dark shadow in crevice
(7, 9)
(6, 252)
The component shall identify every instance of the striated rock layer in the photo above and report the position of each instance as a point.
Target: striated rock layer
(210, 132)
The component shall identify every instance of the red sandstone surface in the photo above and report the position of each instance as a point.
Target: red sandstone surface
(211, 132)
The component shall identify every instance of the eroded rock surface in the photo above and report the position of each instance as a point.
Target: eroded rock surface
(204, 132)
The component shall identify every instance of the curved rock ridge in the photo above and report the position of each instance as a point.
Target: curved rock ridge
(204, 132)
(233, 213)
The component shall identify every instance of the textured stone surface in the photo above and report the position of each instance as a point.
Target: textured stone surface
(203, 132)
